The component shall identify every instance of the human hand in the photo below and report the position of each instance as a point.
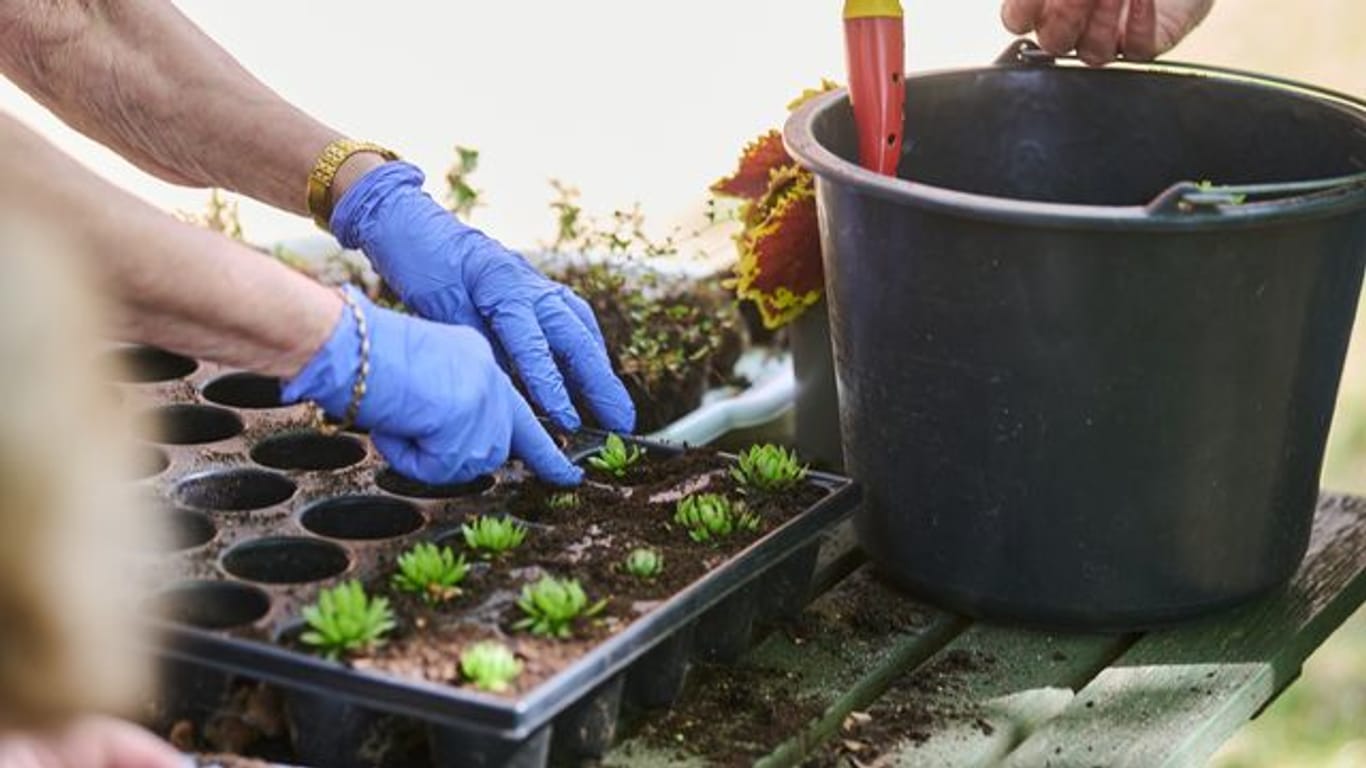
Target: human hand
(1099, 30)
(438, 406)
(449, 272)
(93, 742)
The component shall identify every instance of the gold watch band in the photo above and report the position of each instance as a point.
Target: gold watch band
(324, 172)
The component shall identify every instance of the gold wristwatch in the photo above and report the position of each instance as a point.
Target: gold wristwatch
(333, 156)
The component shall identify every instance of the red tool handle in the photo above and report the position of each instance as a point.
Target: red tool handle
(875, 45)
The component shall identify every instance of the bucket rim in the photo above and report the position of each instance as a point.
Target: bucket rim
(800, 140)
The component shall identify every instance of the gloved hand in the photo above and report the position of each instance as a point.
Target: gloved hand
(1101, 29)
(438, 406)
(449, 272)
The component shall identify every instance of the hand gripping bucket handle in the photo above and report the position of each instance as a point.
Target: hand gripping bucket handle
(1189, 196)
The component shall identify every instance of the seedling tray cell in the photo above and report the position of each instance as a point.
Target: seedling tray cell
(263, 512)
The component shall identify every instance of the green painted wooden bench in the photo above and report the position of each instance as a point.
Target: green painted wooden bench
(868, 678)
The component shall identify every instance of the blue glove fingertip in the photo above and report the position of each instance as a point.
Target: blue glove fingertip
(405, 458)
(538, 451)
(546, 460)
(570, 476)
(399, 452)
(620, 419)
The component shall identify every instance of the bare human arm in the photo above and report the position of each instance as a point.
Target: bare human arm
(139, 77)
(172, 284)
(437, 405)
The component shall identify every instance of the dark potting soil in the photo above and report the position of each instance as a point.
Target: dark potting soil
(251, 720)
(731, 715)
(660, 469)
(589, 543)
(708, 726)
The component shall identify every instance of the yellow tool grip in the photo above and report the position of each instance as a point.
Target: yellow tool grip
(873, 9)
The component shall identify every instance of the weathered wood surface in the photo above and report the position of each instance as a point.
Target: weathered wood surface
(841, 655)
(917, 686)
(1176, 696)
(980, 697)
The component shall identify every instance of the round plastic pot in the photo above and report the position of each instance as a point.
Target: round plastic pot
(818, 425)
(1081, 387)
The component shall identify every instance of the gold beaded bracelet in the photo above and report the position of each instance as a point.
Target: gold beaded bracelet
(362, 374)
(324, 172)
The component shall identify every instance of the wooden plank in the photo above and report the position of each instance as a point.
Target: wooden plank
(1176, 696)
(842, 653)
(975, 700)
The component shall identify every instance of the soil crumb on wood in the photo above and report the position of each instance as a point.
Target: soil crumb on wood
(712, 726)
(734, 715)
(911, 711)
(861, 606)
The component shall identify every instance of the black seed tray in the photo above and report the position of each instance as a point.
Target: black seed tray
(265, 512)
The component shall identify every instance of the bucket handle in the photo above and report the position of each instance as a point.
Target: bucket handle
(1026, 51)
(1187, 197)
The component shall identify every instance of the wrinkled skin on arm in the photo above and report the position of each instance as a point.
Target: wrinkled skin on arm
(139, 77)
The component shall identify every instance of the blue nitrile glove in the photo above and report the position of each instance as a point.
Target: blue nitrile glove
(437, 405)
(453, 273)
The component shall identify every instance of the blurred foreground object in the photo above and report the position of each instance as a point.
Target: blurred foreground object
(67, 519)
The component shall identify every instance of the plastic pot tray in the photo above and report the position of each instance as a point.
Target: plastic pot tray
(237, 474)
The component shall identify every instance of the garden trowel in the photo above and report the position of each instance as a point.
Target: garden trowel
(875, 46)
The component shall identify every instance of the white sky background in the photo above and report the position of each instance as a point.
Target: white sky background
(643, 101)
(630, 101)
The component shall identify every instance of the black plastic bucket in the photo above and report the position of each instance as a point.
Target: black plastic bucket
(1081, 392)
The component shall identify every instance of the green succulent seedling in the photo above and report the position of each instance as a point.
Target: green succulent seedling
(711, 516)
(346, 621)
(493, 536)
(768, 469)
(551, 605)
(616, 457)
(490, 666)
(432, 572)
(644, 563)
(565, 500)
